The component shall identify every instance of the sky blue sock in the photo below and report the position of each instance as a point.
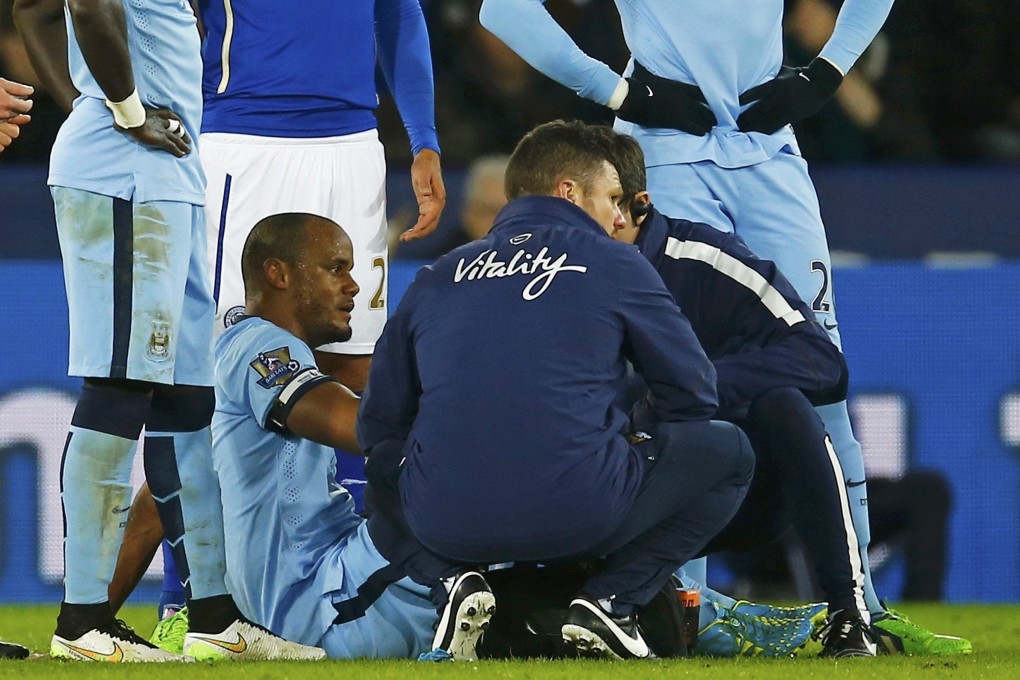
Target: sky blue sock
(95, 483)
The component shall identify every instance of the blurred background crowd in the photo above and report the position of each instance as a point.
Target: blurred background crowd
(940, 84)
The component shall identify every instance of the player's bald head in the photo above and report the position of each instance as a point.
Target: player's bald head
(283, 237)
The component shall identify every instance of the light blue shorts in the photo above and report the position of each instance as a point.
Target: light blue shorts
(397, 618)
(138, 292)
(772, 205)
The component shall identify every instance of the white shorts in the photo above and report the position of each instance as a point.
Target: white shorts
(342, 178)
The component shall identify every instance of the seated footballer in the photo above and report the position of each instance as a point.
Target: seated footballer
(300, 561)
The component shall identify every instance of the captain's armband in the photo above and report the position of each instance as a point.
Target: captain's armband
(289, 395)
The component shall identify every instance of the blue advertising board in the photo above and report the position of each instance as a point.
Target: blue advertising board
(935, 383)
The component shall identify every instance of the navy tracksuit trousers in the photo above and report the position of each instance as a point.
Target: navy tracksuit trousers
(798, 481)
(697, 475)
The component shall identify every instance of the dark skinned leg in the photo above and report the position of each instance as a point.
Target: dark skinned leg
(141, 541)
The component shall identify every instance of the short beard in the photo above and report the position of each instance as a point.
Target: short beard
(328, 336)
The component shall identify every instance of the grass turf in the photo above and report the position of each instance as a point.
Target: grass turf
(994, 630)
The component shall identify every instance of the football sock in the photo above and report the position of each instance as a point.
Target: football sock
(212, 614)
(173, 590)
(74, 620)
(178, 467)
(95, 487)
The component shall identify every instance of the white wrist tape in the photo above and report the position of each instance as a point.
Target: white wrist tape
(128, 113)
(619, 94)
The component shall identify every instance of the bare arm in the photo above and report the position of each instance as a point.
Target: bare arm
(327, 414)
(101, 29)
(42, 28)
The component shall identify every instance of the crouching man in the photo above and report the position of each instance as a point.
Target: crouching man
(489, 418)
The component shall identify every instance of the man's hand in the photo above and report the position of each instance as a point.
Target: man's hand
(162, 130)
(10, 129)
(660, 103)
(791, 96)
(13, 99)
(429, 190)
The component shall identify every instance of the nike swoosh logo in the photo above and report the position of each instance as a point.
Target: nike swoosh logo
(650, 93)
(851, 484)
(828, 327)
(635, 645)
(115, 656)
(235, 647)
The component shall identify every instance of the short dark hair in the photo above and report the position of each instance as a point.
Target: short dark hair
(281, 236)
(555, 150)
(629, 161)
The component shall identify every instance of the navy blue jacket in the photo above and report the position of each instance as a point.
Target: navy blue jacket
(497, 376)
(749, 319)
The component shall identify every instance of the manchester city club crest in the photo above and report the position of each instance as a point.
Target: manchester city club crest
(275, 367)
(159, 341)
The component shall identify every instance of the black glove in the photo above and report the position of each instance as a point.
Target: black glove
(793, 95)
(660, 103)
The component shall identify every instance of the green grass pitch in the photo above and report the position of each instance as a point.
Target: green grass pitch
(994, 630)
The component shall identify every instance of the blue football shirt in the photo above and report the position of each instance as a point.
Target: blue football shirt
(90, 154)
(726, 47)
(284, 514)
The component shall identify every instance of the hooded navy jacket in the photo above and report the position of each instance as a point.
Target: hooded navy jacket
(497, 377)
(754, 327)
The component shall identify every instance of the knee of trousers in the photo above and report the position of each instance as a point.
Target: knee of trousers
(726, 446)
(786, 412)
(742, 454)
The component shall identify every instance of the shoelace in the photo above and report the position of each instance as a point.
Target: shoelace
(893, 614)
(170, 628)
(825, 631)
(830, 629)
(121, 630)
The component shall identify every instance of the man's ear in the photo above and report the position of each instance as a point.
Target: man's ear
(567, 188)
(277, 273)
(640, 206)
